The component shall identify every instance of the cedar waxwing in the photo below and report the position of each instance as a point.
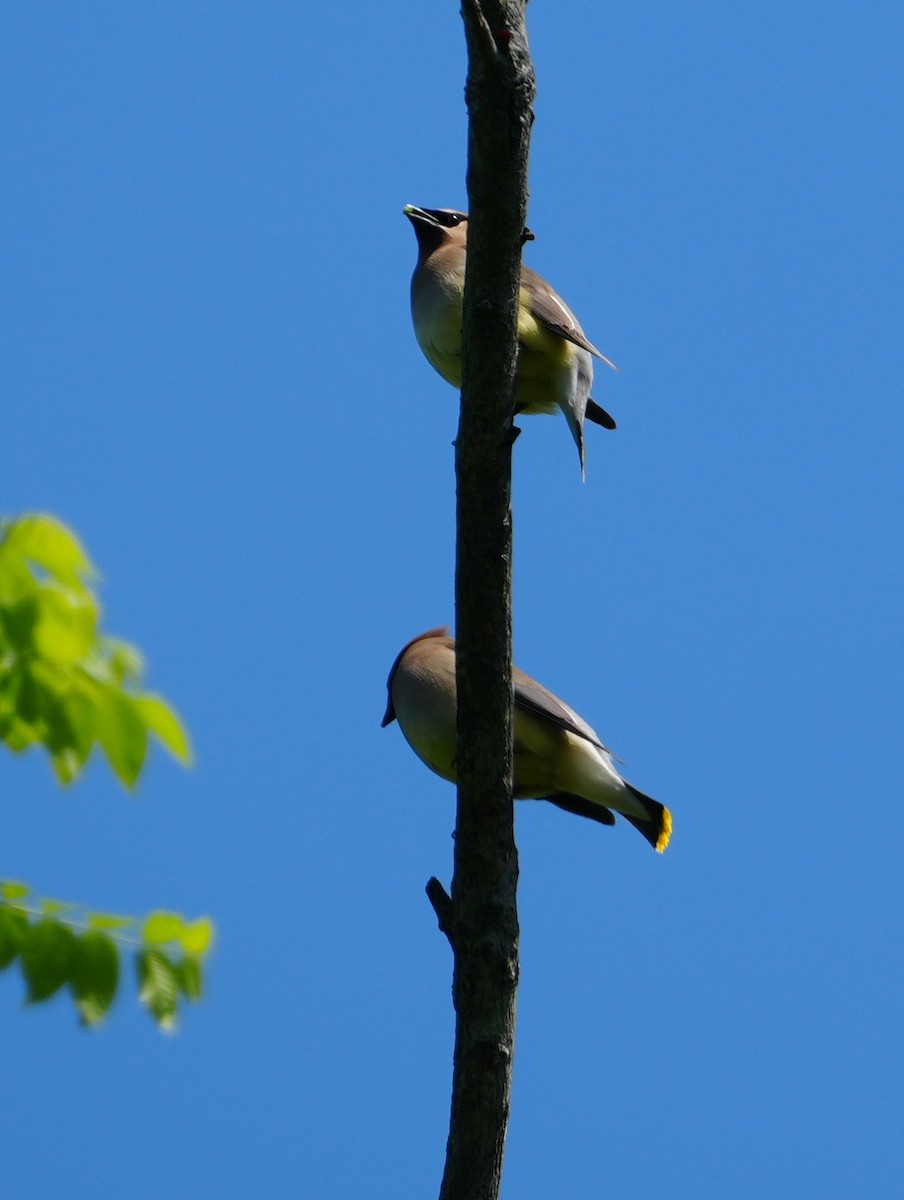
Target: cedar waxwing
(557, 756)
(554, 364)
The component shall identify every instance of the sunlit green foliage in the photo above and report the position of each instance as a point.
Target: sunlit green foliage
(58, 944)
(64, 684)
(68, 687)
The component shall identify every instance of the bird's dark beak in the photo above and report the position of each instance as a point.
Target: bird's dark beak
(415, 214)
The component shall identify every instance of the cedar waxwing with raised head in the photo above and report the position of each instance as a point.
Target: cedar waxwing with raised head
(555, 368)
(557, 756)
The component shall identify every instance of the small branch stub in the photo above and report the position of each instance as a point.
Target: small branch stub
(442, 906)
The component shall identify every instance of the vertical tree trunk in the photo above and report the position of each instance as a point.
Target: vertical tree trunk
(483, 922)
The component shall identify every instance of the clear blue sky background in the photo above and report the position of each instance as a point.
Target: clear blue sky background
(208, 370)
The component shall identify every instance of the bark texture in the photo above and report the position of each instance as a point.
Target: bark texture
(482, 920)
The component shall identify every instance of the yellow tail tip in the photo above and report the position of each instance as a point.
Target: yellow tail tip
(665, 833)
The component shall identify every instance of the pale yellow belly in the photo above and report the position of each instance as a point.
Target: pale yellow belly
(542, 358)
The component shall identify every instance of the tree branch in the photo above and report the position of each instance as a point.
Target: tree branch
(484, 916)
(442, 906)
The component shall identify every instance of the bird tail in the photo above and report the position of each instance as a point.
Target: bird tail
(598, 415)
(657, 827)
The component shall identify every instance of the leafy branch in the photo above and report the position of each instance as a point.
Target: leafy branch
(67, 687)
(58, 943)
(63, 684)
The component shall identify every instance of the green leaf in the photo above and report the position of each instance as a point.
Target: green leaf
(109, 921)
(94, 976)
(16, 578)
(12, 889)
(46, 957)
(32, 696)
(123, 735)
(124, 661)
(66, 626)
(17, 624)
(71, 725)
(13, 928)
(79, 707)
(159, 984)
(15, 728)
(190, 977)
(66, 764)
(197, 938)
(46, 541)
(162, 927)
(165, 725)
(19, 735)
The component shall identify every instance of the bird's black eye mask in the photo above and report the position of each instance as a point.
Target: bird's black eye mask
(447, 217)
(451, 219)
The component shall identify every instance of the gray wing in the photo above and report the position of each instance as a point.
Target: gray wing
(551, 310)
(532, 697)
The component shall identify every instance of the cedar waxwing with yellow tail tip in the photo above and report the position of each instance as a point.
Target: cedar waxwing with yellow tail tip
(555, 368)
(557, 756)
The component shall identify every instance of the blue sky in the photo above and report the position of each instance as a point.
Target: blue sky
(208, 370)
